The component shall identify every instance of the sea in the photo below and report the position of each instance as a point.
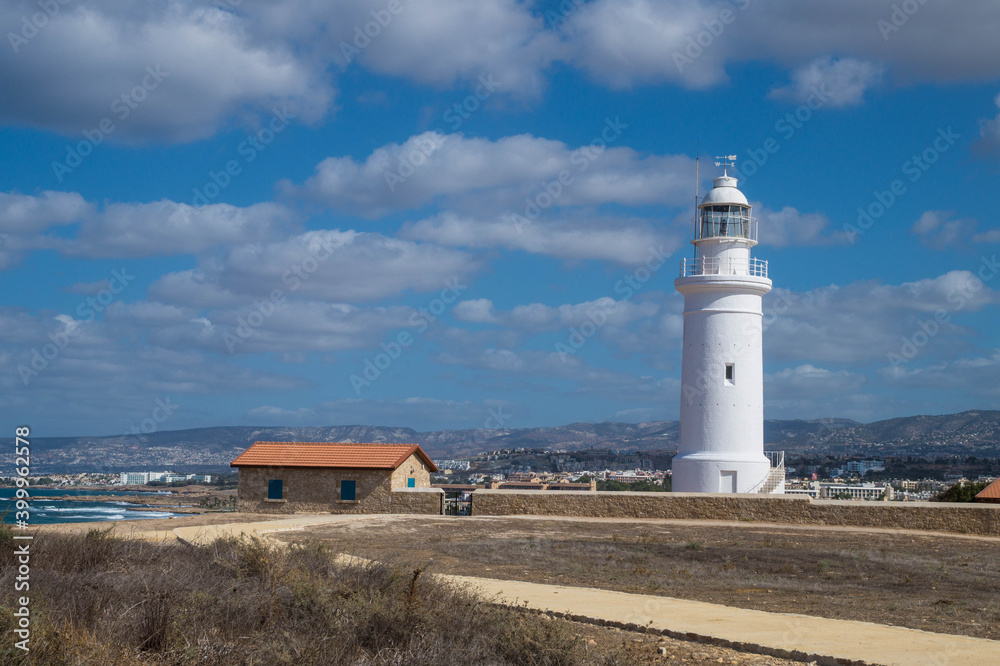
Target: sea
(45, 509)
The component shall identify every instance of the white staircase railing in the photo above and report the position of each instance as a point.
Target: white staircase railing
(775, 478)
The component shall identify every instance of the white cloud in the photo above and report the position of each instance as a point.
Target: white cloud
(785, 227)
(630, 42)
(607, 312)
(626, 241)
(622, 43)
(166, 227)
(328, 265)
(212, 68)
(989, 134)
(420, 413)
(990, 236)
(865, 321)
(936, 230)
(829, 82)
(25, 218)
(440, 41)
(473, 174)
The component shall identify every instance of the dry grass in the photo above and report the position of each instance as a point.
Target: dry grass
(100, 599)
(936, 583)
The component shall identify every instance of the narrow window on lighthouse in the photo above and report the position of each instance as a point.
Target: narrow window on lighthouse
(730, 374)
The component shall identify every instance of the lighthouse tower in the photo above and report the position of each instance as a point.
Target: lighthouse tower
(722, 389)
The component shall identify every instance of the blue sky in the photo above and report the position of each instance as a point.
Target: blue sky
(225, 213)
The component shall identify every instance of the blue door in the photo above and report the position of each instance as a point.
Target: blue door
(274, 489)
(411, 482)
(347, 490)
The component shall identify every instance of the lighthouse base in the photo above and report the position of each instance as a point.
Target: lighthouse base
(719, 473)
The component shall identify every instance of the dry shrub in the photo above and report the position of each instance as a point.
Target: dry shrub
(99, 599)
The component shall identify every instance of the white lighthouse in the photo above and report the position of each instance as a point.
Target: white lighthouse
(722, 393)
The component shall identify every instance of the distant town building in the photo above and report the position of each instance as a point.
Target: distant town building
(454, 465)
(865, 491)
(285, 477)
(143, 478)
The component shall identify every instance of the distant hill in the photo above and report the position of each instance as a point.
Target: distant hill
(975, 433)
(969, 433)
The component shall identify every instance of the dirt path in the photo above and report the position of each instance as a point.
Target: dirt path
(778, 634)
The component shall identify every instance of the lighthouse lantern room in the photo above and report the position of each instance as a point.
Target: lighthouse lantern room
(722, 393)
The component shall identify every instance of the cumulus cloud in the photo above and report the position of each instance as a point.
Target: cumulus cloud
(210, 67)
(416, 412)
(937, 230)
(25, 218)
(514, 172)
(129, 229)
(785, 227)
(107, 369)
(989, 134)
(624, 43)
(623, 241)
(865, 321)
(440, 42)
(606, 312)
(166, 227)
(330, 265)
(830, 82)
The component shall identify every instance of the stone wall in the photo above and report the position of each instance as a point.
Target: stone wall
(418, 500)
(419, 472)
(794, 509)
(314, 490)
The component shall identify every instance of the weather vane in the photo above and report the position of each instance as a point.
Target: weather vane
(726, 161)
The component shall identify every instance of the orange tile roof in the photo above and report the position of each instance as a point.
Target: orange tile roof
(990, 492)
(329, 454)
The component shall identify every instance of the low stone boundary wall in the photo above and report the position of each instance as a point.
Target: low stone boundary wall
(792, 509)
(418, 500)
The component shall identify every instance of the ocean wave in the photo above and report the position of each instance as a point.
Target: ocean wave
(86, 509)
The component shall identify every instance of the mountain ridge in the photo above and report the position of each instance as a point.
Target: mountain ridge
(974, 432)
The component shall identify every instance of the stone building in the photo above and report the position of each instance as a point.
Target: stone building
(315, 477)
(990, 493)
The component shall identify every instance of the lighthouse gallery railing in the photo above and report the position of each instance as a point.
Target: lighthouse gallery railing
(723, 266)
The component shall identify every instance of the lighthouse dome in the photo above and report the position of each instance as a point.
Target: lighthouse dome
(725, 192)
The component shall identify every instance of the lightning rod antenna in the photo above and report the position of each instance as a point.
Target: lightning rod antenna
(697, 157)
